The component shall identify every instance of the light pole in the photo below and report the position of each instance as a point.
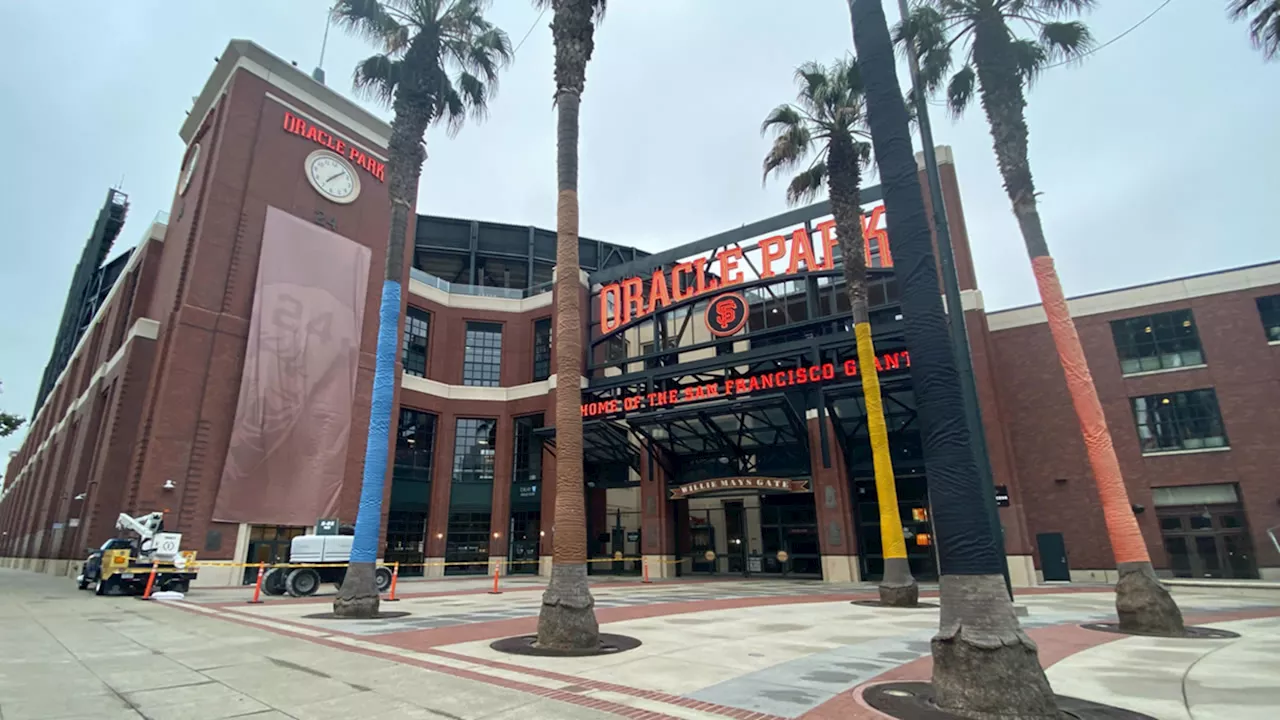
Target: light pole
(955, 308)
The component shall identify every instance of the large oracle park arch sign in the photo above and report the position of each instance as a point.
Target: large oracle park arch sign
(623, 303)
(717, 276)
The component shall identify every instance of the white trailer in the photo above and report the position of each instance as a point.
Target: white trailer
(327, 555)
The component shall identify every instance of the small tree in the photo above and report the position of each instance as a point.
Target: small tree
(9, 424)
(1265, 25)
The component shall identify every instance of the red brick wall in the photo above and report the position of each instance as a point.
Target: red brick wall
(1047, 445)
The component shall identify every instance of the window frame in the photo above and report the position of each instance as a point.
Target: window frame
(541, 352)
(1154, 342)
(405, 350)
(1269, 313)
(483, 471)
(1191, 410)
(419, 471)
(523, 447)
(481, 359)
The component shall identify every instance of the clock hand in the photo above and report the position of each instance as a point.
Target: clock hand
(335, 177)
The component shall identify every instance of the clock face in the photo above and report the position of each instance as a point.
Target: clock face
(189, 171)
(332, 177)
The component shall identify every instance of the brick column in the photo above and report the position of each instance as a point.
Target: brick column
(500, 505)
(441, 485)
(656, 518)
(831, 495)
(547, 513)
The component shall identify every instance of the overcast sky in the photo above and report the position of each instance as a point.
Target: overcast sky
(1153, 158)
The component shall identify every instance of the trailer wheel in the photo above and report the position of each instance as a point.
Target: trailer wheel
(302, 582)
(382, 577)
(274, 580)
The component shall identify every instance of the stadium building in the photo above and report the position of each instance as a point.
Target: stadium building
(221, 370)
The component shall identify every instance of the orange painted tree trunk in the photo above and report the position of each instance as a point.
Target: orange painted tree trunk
(1142, 602)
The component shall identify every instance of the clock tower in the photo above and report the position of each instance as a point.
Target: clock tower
(267, 299)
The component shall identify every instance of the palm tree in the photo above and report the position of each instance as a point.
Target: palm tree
(828, 122)
(999, 66)
(1265, 25)
(439, 62)
(984, 665)
(568, 618)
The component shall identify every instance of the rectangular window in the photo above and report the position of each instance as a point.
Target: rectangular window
(1269, 309)
(541, 349)
(482, 356)
(1157, 342)
(1179, 421)
(528, 460)
(473, 449)
(615, 350)
(410, 502)
(415, 444)
(416, 324)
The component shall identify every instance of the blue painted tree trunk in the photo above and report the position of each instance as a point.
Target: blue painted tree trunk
(364, 548)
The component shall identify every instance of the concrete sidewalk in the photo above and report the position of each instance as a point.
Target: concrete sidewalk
(763, 650)
(70, 655)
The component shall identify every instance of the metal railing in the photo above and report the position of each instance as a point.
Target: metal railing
(478, 290)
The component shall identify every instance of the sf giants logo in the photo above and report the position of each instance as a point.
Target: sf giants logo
(726, 314)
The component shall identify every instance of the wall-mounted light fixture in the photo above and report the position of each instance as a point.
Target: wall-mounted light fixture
(168, 485)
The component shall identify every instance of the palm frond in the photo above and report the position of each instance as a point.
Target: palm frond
(1029, 57)
(368, 19)
(805, 186)
(924, 29)
(450, 109)
(1066, 40)
(377, 77)
(812, 79)
(960, 90)
(789, 149)
(862, 151)
(1264, 28)
(1058, 8)
(782, 117)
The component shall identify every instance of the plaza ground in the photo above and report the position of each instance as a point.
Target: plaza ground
(712, 649)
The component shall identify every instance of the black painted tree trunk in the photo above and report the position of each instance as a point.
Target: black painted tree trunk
(984, 665)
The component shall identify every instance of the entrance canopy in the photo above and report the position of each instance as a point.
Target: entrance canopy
(733, 432)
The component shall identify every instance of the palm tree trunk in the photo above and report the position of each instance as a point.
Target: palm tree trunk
(984, 665)
(897, 587)
(358, 596)
(568, 619)
(1142, 602)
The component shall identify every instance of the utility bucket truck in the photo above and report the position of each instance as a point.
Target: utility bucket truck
(124, 563)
